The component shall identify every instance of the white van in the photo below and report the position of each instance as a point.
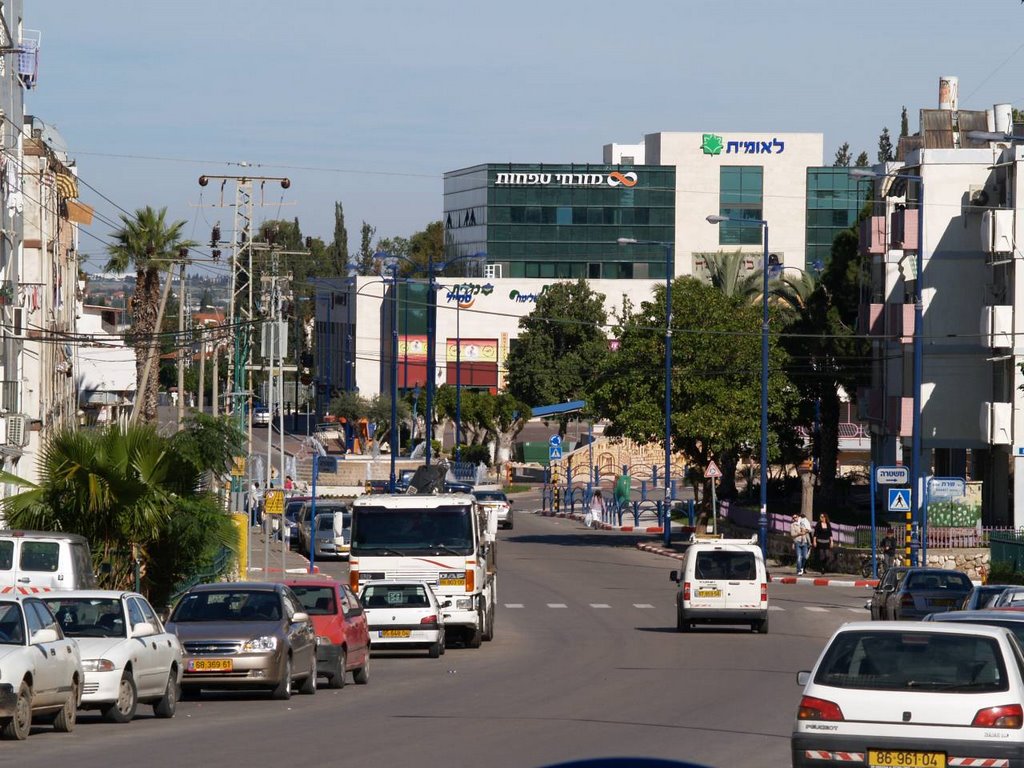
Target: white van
(37, 561)
(723, 581)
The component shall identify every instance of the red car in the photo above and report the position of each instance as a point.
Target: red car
(342, 639)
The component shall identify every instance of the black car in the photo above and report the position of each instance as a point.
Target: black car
(982, 596)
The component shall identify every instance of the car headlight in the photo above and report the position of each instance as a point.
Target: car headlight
(98, 665)
(464, 605)
(265, 643)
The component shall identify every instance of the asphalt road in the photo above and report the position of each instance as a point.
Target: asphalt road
(586, 662)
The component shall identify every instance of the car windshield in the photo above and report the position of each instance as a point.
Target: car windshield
(951, 581)
(1008, 597)
(490, 496)
(395, 596)
(88, 617)
(723, 564)
(1017, 627)
(318, 601)
(325, 522)
(876, 660)
(229, 605)
(413, 530)
(12, 628)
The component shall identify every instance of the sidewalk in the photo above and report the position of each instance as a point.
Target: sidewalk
(267, 565)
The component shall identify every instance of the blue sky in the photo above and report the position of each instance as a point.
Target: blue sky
(369, 103)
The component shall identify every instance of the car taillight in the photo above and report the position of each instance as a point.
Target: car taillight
(353, 581)
(1006, 716)
(470, 579)
(907, 601)
(686, 590)
(818, 709)
(764, 593)
(432, 619)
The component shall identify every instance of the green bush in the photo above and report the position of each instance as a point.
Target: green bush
(1004, 573)
(475, 454)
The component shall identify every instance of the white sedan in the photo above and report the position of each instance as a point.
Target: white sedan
(40, 669)
(127, 655)
(403, 614)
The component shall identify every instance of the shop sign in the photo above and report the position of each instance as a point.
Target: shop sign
(713, 144)
(613, 179)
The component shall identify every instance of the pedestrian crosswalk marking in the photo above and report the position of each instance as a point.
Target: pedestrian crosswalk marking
(557, 605)
(513, 605)
(816, 608)
(600, 605)
(856, 610)
(649, 606)
(776, 608)
(642, 605)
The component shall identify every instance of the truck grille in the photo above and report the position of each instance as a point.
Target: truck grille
(211, 647)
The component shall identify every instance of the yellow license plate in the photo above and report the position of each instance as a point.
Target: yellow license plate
(210, 665)
(709, 593)
(395, 632)
(451, 582)
(886, 758)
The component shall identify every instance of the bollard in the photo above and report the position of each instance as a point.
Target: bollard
(691, 513)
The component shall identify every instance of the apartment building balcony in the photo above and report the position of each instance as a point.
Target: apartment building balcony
(904, 229)
(872, 235)
(900, 322)
(871, 319)
(10, 396)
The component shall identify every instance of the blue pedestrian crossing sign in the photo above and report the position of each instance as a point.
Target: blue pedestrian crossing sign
(554, 452)
(899, 499)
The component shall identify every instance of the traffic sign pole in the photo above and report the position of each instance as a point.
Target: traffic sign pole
(874, 536)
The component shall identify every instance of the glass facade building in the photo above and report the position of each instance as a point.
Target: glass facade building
(834, 201)
(561, 221)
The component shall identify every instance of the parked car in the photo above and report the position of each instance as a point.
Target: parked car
(494, 497)
(342, 636)
(886, 586)
(40, 561)
(1012, 620)
(927, 590)
(403, 615)
(333, 541)
(245, 635)
(289, 520)
(912, 694)
(982, 596)
(1010, 597)
(260, 416)
(127, 655)
(722, 581)
(41, 669)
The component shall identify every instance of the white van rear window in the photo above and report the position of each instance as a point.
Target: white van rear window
(40, 556)
(724, 564)
(6, 555)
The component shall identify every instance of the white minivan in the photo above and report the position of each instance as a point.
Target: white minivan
(38, 561)
(722, 581)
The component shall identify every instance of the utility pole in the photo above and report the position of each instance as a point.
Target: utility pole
(181, 346)
(216, 377)
(202, 369)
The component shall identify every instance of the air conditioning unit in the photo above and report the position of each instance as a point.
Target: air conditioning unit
(996, 423)
(997, 231)
(17, 429)
(997, 326)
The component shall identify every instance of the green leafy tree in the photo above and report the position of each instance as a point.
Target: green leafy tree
(561, 346)
(716, 363)
(390, 246)
(885, 148)
(133, 494)
(337, 251)
(904, 123)
(730, 276)
(426, 245)
(147, 243)
(842, 159)
(365, 260)
(862, 160)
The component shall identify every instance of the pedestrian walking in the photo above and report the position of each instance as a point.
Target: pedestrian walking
(824, 543)
(289, 484)
(255, 497)
(596, 512)
(800, 532)
(888, 547)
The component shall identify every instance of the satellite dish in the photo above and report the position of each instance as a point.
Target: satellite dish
(979, 197)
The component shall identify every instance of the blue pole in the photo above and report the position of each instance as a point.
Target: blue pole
(458, 378)
(669, 273)
(874, 544)
(394, 374)
(667, 532)
(763, 517)
(431, 361)
(915, 451)
(312, 516)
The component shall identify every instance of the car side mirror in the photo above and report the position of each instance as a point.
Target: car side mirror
(803, 678)
(889, 588)
(673, 576)
(44, 636)
(143, 628)
(447, 604)
(298, 618)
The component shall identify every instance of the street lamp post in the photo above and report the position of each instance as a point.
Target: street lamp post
(458, 378)
(394, 373)
(669, 275)
(762, 519)
(916, 476)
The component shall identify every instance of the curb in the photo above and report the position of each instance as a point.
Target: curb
(817, 582)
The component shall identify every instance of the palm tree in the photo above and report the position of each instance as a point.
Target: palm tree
(135, 495)
(729, 276)
(791, 290)
(148, 244)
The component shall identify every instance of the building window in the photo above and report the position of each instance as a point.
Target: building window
(741, 195)
(594, 271)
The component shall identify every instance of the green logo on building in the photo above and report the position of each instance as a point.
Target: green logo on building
(711, 144)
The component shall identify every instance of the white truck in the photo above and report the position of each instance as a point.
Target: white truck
(447, 540)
